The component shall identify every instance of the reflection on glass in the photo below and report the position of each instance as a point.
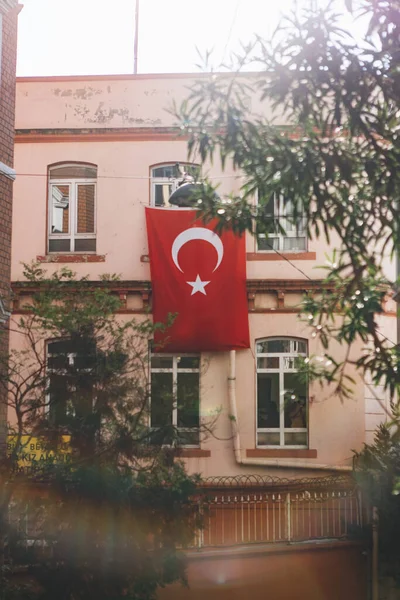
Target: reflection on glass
(268, 439)
(162, 193)
(60, 209)
(296, 438)
(188, 400)
(161, 399)
(282, 346)
(268, 400)
(268, 362)
(295, 401)
(188, 362)
(85, 217)
(161, 362)
(291, 362)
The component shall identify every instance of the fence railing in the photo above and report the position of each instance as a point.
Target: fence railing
(254, 510)
(241, 517)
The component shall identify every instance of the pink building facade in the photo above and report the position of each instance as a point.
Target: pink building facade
(91, 153)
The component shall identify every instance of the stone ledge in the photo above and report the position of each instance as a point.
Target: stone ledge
(193, 453)
(281, 453)
(273, 256)
(71, 258)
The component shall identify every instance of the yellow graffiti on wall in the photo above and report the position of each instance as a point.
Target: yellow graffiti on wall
(34, 453)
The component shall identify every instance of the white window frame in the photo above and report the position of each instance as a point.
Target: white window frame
(175, 370)
(281, 371)
(291, 229)
(72, 235)
(172, 181)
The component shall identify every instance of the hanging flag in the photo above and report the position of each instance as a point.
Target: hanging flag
(200, 276)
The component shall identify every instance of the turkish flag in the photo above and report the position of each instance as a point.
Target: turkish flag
(201, 276)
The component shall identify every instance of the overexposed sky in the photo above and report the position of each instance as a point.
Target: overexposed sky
(81, 37)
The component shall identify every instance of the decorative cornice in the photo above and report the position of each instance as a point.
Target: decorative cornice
(133, 77)
(253, 285)
(105, 134)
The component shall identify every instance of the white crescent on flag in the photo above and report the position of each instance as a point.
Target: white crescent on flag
(197, 233)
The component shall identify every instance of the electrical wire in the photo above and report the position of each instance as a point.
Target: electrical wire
(148, 178)
(145, 177)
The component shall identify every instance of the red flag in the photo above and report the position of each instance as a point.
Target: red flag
(201, 276)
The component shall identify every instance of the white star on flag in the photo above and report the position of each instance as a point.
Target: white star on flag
(198, 285)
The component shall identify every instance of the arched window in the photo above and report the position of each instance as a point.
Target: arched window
(72, 208)
(281, 393)
(165, 179)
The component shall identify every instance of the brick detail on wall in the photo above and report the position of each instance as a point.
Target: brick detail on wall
(7, 117)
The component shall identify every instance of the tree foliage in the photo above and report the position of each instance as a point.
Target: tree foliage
(108, 512)
(319, 123)
(377, 470)
(326, 136)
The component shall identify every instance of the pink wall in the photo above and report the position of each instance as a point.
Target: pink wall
(122, 192)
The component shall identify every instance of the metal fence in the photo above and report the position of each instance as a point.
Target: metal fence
(253, 510)
(241, 517)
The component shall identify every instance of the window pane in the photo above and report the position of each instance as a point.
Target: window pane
(299, 346)
(270, 243)
(296, 439)
(294, 243)
(166, 172)
(85, 245)
(268, 204)
(291, 362)
(60, 208)
(85, 201)
(188, 362)
(60, 347)
(274, 346)
(188, 400)
(73, 172)
(58, 397)
(295, 401)
(162, 192)
(268, 439)
(59, 245)
(161, 362)
(189, 438)
(267, 400)
(57, 361)
(161, 399)
(85, 361)
(268, 362)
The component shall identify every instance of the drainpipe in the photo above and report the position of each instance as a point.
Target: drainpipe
(263, 462)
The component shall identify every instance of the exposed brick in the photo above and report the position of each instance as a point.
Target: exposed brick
(7, 118)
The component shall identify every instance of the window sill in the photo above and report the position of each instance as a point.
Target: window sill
(193, 453)
(281, 256)
(71, 258)
(280, 453)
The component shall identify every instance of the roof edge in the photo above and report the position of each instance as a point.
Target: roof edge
(127, 76)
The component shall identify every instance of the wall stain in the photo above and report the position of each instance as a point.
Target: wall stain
(86, 93)
(81, 110)
(104, 115)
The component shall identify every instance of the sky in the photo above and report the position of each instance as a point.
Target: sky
(81, 37)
